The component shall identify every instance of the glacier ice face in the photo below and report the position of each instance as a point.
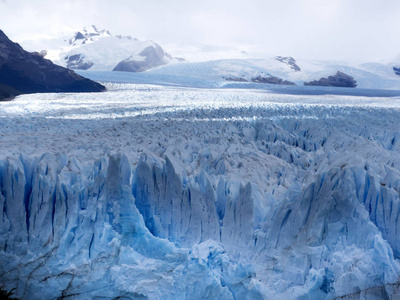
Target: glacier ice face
(235, 195)
(85, 231)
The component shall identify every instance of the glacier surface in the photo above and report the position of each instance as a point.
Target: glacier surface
(162, 192)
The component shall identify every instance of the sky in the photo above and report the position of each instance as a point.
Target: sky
(364, 30)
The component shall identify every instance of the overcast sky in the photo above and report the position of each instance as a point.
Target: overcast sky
(314, 29)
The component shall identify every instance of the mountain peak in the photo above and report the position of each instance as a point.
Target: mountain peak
(88, 34)
(97, 49)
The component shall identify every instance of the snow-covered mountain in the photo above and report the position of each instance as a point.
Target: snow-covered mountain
(366, 75)
(99, 50)
(24, 72)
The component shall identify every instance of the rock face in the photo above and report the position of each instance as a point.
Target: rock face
(290, 61)
(77, 62)
(261, 79)
(271, 80)
(89, 35)
(396, 70)
(340, 79)
(236, 79)
(23, 72)
(150, 57)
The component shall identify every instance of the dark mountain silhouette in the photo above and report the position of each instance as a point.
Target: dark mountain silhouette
(340, 79)
(22, 72)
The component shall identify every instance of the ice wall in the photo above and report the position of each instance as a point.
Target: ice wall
(72, 230)
(82, 230)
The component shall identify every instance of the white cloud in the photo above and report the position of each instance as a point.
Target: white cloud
(337, 29)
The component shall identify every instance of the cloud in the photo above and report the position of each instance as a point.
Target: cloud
(304, 28)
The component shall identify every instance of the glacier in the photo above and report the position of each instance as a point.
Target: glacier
(167, 192)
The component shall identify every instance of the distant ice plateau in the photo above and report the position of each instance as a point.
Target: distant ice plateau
(162, 192)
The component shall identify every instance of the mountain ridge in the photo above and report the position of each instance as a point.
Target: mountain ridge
(99, 50)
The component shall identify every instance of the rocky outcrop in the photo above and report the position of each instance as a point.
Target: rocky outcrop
(23, 72)
(271, 80)
(7, 92)
(150, 57)
(290, 61)
(42, 53)
(77, 62)
(88, 35)
(396, 70)
(340, 79)
(236, 79)
(261, 79)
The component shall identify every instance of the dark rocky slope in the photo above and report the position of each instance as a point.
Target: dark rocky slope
(22, 72)
(271, 80)
(261, 79)
(340, 79)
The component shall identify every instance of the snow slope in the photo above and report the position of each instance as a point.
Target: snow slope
(367, 75)
(161, 192)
